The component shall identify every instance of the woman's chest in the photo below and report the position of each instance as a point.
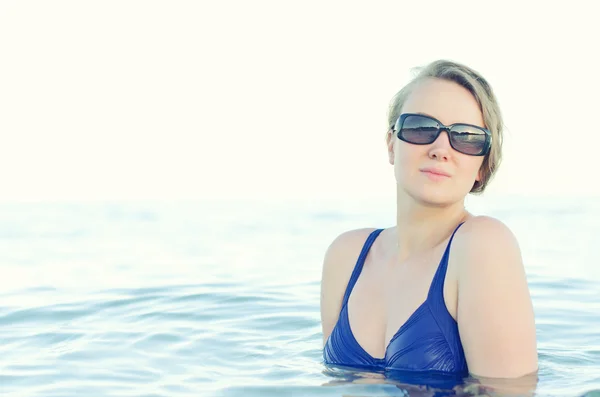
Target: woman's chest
(384, 301)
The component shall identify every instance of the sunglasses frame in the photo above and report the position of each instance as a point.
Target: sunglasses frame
(397, 127)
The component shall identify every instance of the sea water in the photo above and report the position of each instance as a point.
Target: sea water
(221, 297)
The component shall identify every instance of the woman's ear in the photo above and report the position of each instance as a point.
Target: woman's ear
(389, 138)
(478, 177)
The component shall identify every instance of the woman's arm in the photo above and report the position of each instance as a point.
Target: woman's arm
(495, 313)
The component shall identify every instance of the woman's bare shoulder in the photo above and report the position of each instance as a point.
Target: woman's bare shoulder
(341, 255)
(485, 234)
(346, 245)
(486, 247)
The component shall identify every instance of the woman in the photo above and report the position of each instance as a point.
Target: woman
(443, 290)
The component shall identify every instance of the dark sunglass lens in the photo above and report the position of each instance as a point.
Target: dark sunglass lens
(419, 129)
(468, 139)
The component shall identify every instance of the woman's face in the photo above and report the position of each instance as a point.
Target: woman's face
(449, 103)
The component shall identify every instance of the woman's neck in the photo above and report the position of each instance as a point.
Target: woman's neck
(420, 227)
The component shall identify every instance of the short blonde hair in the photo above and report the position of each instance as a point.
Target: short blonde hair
(483, 93)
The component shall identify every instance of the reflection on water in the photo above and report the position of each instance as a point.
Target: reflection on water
(434, 383)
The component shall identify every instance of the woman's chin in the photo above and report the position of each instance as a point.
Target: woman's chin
(436, 197)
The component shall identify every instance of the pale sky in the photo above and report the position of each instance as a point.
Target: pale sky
(191, 99)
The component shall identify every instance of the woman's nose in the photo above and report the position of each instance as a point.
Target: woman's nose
(440, 148)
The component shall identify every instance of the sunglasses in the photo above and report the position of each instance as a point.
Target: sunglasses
(419, 129)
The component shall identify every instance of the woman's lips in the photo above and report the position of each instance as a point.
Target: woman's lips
(435, 174)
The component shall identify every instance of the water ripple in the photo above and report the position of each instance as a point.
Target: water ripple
(143, 304)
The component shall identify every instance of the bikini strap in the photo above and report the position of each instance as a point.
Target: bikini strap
(436, 290)
(359, 264)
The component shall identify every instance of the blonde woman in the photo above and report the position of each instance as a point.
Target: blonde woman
(443, 290)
